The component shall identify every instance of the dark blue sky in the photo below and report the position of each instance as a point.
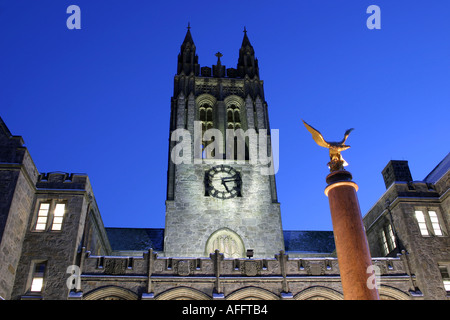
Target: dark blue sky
(97, 100)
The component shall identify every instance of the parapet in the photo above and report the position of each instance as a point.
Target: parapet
(62, 180)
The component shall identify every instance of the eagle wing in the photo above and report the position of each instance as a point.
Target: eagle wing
(346, 135)
(317, 136)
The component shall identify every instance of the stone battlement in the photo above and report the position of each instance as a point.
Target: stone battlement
(62, 180)
(206, 266)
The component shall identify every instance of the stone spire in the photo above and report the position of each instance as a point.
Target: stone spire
(247, 63)
(187, 59)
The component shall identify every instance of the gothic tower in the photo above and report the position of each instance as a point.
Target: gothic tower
(221, 191)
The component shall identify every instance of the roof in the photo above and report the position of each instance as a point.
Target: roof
(187, 39)
(245, 40)
(439, 170)
(142, 239)
(135, 239)
(309, 241)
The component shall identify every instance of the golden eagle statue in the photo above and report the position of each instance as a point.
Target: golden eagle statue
(336, 161)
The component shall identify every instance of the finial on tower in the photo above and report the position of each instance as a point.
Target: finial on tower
(189, 26)
(218, 55)
(245, 30)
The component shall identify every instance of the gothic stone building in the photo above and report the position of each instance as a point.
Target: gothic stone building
(220, 209)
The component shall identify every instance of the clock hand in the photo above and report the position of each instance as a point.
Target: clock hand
(230, 179)
(226, 187)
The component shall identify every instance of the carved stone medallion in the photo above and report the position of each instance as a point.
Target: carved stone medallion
(184, 267)
(250, 268)
(115, 266)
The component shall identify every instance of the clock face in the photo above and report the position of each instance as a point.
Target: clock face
(223, 182)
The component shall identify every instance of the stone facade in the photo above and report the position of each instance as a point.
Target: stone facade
(192, 218)
(217, 278)
(59, 248)
(201, 254)
(396, 210)
(250, 220)
(18, 177)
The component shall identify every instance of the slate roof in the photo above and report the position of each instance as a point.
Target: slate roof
(439, 171)
(136, 239)
(309, 241)
(142, 239)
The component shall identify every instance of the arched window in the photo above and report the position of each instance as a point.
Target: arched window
(234, 123)
(233, 117)
(206, 119)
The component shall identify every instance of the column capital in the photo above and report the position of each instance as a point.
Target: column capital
(339, 178)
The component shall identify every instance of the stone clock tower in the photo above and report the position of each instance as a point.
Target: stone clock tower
(222, 195)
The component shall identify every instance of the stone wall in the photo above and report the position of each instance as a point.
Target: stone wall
(216, 277)
(17, 194)
(252, 219)
(397, 206)
(193, 217)
(57, 248)
(18, 176)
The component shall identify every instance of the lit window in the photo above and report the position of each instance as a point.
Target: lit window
(206, 119)
(385, 243)
(36, 285)
(38, 277)
(391, 238)
(42, 216)
(429, 223)
(233, 118)
(388, 238)
(58, 216)
(435, 223)
(445, 277)
(422, 224)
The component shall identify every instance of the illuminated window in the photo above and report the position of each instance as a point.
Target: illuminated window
(233, 117)
(435, 223)
(58, 216)
(429, 223)
(445, 276)
(37, 281)
(206, 119)
(422, 224)
(234, 123)
(42, 216)
(391, 237)
(385, 243)
(388, 239)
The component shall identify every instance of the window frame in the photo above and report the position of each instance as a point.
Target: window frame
(206, 118)
(445, 281)
(35, 274)
(388, 239)
(233, 117)
(40, 216)
(58, 215)
(384, 243)
(435, 225)
(51, 217)
(432, 228)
